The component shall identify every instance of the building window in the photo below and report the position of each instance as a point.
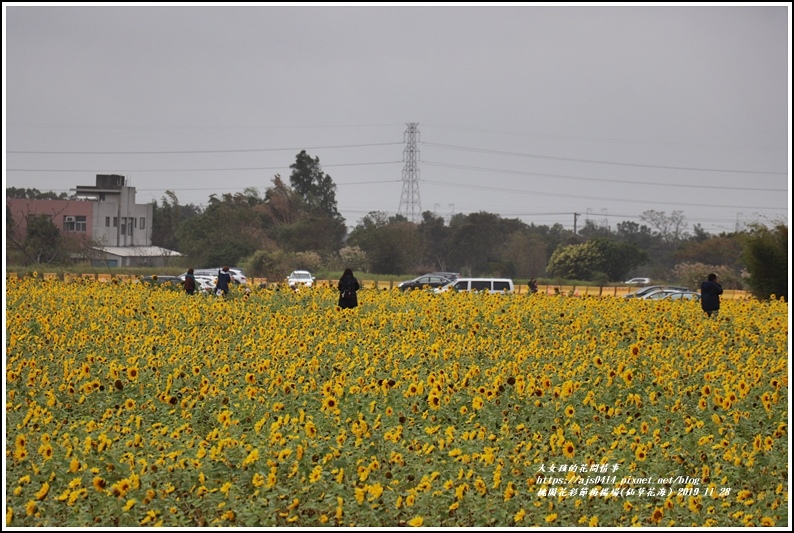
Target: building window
(123, 225)
(107, 222)
(143, 223)
(74, 223)
(115, 222)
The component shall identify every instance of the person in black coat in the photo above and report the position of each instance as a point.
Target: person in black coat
(533, 286)
(710, 291)
(224, 278)
(348, 285)
(190, 282)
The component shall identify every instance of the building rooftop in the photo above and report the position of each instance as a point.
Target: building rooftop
(139, 251)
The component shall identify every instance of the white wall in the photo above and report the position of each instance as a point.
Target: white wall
(120, 207)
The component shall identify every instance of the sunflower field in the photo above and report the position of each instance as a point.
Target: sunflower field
(134, 405)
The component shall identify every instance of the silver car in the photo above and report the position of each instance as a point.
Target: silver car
(640, 293)
(237, 274)
(682, 295)
(432, 280)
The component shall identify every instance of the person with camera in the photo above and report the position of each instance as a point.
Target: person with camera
(348, 285)
(710, 291)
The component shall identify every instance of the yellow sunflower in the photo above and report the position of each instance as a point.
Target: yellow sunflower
(568, 449)
(640, 453)
(329, 403)
(657, 515)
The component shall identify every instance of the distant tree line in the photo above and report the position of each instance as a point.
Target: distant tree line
(297, 225)
(34, 194)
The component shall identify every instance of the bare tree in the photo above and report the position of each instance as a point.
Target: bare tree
(38, 240)
(671, 229)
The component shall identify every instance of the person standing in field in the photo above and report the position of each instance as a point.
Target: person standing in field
(348, 285)
(190, 282)
(710, 291)
(224, 278)
(533, 286)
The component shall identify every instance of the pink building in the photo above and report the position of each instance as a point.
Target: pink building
(70, 216)
(105, 213)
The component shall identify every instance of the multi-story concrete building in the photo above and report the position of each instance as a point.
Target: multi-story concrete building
(116, 220)
(105, 213)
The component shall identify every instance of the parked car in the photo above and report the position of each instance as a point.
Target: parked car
(638, 281)
(451, 275)
(639, 293)
(682, 295)
(490, 285)
(300, 277)
(206, 284)
(659, 294)
(156, 279)
(238, 276)
(432, 280)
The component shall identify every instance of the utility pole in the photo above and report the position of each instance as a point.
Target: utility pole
(575, 216)
(410, 205)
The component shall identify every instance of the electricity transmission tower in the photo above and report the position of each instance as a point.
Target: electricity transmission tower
(410, 205)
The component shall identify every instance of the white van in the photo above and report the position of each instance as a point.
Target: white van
(491, 285)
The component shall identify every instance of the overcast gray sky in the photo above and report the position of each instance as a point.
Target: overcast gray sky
(532, 112)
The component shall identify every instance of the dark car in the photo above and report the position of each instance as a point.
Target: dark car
(660, 294)
(647, 290)
(161, 280)
(682, 295)
(451, 275)
(432, 280)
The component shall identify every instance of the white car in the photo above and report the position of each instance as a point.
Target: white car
(489, 285)
(300, 277)
(638, 281)
(237, 274)
(206, 284)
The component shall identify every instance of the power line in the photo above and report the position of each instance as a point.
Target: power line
(175, 189)
(594, 198)
(606, 180)
(478, 187)
(518, 154)
(255, 187)
(197, 151)
(429, 163)
(197, 169)
(447, 184)
(211, 127)
(612, 141)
